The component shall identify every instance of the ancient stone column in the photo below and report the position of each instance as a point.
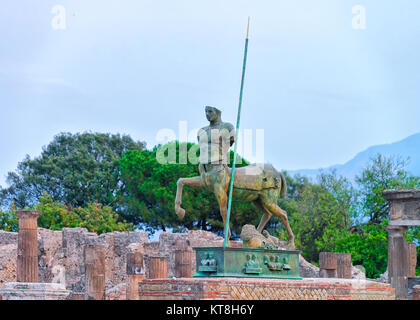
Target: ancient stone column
(398, 260)
(183, 259)
(327, 265)
(158, 267)
(27, 257)
(344, 265)
(135, 273)
(95, 272)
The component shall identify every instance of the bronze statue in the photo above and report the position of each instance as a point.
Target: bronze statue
(260, 184)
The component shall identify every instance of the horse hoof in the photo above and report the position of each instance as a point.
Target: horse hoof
(181, 213)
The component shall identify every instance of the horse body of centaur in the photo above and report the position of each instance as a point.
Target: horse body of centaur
(260, 184)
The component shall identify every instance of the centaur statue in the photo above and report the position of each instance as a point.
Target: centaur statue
(261, 184)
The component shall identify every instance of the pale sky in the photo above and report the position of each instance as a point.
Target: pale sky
(321, 90)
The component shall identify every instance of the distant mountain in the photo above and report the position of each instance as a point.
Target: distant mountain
(406, 148)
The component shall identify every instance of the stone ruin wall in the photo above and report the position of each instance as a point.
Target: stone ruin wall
(62, 252)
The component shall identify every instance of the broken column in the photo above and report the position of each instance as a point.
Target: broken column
(327, 265)
(403, 212)
(344, 265)
(335, 265)
(158, 267)
(27, 286)
(27, 258)
(183, 259)
(95, 272)
(135, 270)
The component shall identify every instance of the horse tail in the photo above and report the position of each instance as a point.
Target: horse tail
(279, 178)
(283, 185)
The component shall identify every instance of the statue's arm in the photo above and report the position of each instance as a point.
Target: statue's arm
(232, 133)
(200, 133)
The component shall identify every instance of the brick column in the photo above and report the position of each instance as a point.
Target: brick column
(135, 274)
(158, 267)
(398, 260)
(27, 258)
(183, 259)
(95, 272)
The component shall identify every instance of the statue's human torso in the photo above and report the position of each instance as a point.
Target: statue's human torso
(214, 142)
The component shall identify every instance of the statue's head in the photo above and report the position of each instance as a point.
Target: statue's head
(213, 113)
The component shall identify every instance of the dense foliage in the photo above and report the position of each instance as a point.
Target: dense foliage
(74, 168)
(9, 220)
(333, 215)
(56, 216)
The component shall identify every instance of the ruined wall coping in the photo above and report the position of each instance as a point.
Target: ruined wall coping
(402, 194)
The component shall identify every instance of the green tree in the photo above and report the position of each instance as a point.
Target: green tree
(368, 247)
(57, 215)
(368, 240)
(95, 217)
(318, 212)
(380, 174)
(74, 168)
(333, 215)
(8, 220)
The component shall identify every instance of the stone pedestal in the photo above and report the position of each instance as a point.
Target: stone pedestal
(246, 262)
(33, 291)
(27, 257)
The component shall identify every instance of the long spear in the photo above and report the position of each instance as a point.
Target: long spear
(236, 139)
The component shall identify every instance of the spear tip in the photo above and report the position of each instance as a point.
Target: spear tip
(247, 28)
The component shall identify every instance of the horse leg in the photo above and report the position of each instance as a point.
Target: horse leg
(222, 198)
(277, 211)
(194, 182)
(265, 218)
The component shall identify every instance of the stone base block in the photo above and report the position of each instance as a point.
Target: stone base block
(33, 291)
(264, 289)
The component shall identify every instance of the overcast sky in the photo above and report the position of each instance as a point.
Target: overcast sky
(321, 89)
